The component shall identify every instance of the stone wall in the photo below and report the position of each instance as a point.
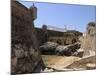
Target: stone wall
(62, 38)
(25, 55)
(50, 33)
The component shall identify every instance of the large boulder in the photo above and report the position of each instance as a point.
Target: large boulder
(25, 55)
(67, 50)
(48, 48)
(63, 50)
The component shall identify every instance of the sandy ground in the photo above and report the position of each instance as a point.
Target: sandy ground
(58, 62)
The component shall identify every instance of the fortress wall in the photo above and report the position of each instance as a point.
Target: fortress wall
(25, 55)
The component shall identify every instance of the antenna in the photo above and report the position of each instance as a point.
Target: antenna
(65, 28)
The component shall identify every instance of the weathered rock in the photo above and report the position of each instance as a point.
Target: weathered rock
(25, 55)
(48, 47)
(60, 48)
(88, 41)
(63, 50)
(67, 50)
(90, 66)
(74, 46)
(82, 62)
(89, 53)
(19, 53)
(79, 53)
(13, 64)
(91, 29)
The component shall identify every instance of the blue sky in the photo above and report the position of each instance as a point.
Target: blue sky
(73, 16)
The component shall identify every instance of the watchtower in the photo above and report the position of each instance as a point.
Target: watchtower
(33, 11)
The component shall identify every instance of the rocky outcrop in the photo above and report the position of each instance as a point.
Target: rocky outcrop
(25, 55)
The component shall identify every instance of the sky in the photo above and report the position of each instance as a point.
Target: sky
(75, 17)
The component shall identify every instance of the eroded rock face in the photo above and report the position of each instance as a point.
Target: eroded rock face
(25, 55)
